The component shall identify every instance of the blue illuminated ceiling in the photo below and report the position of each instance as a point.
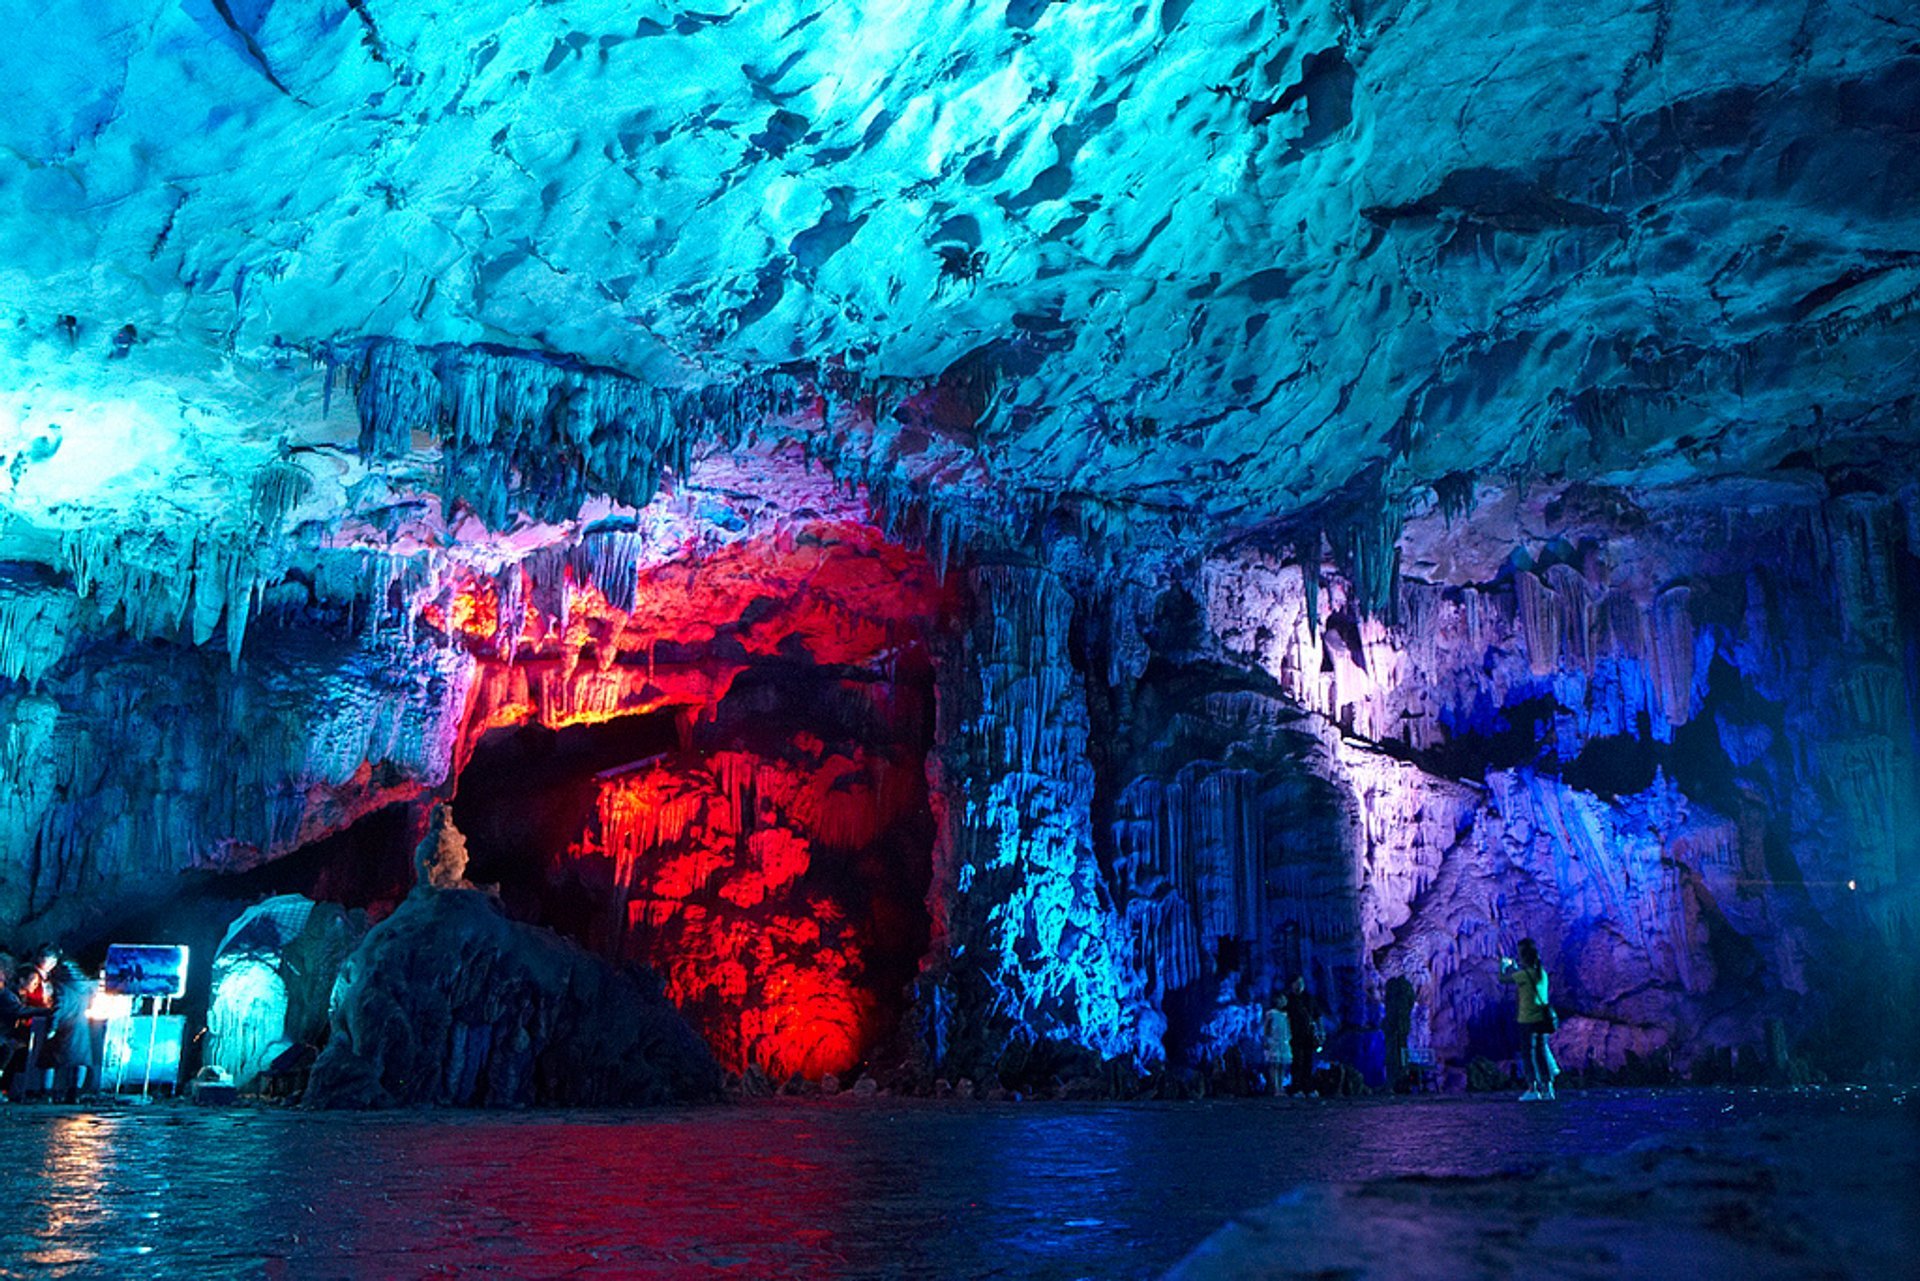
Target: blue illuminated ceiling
(1219, 257)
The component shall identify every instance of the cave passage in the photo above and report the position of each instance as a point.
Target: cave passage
(768, 858)
(367, 865)
(529, 791)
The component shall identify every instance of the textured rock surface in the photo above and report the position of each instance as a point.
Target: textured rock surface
(449, 1002)
(1221, 251)
(273, 979)
(1638, 748)
(1028, 949)
(1371, 481)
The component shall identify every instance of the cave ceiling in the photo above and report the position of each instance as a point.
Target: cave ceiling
(1219, 258)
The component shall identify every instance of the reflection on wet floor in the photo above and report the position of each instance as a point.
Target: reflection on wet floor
(778, 1189)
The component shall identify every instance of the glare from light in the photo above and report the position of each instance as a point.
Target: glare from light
(107, 1006)
(74, 447)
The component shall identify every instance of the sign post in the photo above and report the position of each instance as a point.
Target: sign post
(155, 973)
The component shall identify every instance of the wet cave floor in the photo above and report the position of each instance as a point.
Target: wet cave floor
(906, 1188)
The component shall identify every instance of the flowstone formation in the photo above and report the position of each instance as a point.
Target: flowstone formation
(982, 540)
(272, 982)
(1637, 744)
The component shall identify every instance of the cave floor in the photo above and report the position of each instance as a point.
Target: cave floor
(1818, 1183)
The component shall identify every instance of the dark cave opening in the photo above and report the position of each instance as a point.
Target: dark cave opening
(879, 870)
(365, 868)
(528, 791)
(1614, 767)
(366, 865)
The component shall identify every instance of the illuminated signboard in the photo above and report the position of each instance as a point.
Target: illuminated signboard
(146, 970)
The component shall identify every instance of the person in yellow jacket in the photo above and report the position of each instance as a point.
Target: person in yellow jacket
(1529, 979)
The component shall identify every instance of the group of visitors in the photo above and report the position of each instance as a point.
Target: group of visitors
(1295, 1021)
(1293, 1030)
(45, 1041)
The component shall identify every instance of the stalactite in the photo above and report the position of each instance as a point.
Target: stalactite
(521, 432)
(396, 395)
(162, 583)
(1781, 630)
(1670, 635)
(1540, 623)
(1310, 564)
(37, 618)
(278, 489)
(1455, 494)
(1366, 548)
(231, 764)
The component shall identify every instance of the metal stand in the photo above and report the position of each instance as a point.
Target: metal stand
(153, 1031)
(28, 1083)
(154, 1011)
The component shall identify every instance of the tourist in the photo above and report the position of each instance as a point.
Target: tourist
(32, 987)
(70, 1048)
(55, 989)
(1398, 1027)
(16, 1023)
(1534, 1013)
(1279, 1051)
(35, 985)
(1303, 1033)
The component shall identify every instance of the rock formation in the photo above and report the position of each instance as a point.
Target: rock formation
(448, 1002)
(273, 980)
(983, 538)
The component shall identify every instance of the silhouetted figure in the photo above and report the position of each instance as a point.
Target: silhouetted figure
(56, 993)
(1303, 1033)
(31, 985)
(70, 1049)
(1529, 978)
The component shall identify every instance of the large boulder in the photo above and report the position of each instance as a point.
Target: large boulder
(449, 1002)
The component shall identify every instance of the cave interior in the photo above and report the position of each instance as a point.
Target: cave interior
(966, 546)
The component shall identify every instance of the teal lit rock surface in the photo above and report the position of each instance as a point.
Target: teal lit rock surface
(1241, 490)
